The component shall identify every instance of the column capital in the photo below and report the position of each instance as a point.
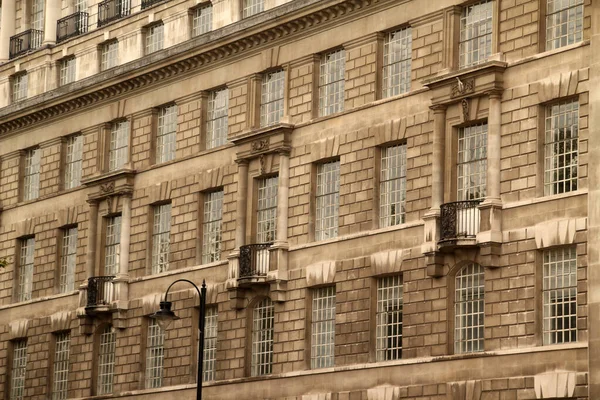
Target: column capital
(438, 108)
(242, 162)
(495, 93)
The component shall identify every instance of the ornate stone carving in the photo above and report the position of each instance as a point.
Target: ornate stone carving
(107, 187)
(465, 109)
(460, 87)
(260, 145)
(262, 164)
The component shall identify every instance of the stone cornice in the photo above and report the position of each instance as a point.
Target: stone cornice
(229, 42)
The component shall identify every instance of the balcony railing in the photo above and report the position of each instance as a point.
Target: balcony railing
(100, 291)
(111, 10)
(150, 3)
(71, 26)
(459, 220)
(254, 260)
(25, 41)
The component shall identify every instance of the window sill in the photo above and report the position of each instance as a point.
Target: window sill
(549, 53)
(544, 199)
(179, 271)
(40, 299)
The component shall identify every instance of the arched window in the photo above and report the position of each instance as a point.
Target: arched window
(107, 340)
(263, 319)
(469, 309)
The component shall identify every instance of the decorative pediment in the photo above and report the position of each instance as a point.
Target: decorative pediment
(320, 273)
(260, 142)
(109, 185)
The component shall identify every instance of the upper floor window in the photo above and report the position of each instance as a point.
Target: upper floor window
(19, 87)
(37, 15)
(251, 7)
(331, 82)
(68, 260)
(73, 157)
(31, 174)
(106, 360)
(161, 238)
(560, 295)
(18, 368)
(392, 183)
(211, 226)
(323, 327)
(561, 147)
(263, 321)
(67, 70)
(469, 309)
(154, 38)
(118, 153)
(62, 344)
(108, 55)
(216, 125)
(155, 354)
(266, 229)
(202, 19)
(475, 34)
(397, 57)
(389, 318)
(271, 99)
(564, 23)
(471, 162)
(167, 133)
(210, 344)
(26, 259)
(327, 200)
(112, 245)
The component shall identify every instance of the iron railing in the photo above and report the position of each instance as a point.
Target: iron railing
(459, 220)
(254, 260)
(71, 26)
(111, 10)
(25, 41)
(100, 291)
(150, 3)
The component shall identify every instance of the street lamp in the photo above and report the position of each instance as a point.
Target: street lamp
(165, 316)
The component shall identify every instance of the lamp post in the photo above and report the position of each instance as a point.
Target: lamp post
(165, 316)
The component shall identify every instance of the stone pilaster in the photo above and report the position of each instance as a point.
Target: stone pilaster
(8, 28)
(52, 11)
(279, 250)
(121, 281)
(236, 296)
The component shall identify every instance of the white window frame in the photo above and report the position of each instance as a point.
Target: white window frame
(327, 200)
(212, 226)
(266, 209)
(561, 147)
(73, 160)
(202, 20)
(37, 15)
(322, 344)
(155, 37)
(166, 135)
(60, 369)
(332, 82)
(475, 47)
(31, 174)
(18, 369)
(68, 67)
(19, 87)
(161, 238)
(217, 118)
(112, 245)
(558, 17)
(118, 152)
(560, 295)
(392, 185)
(263, 321)
(109, 55)
(252, 7)
(68, 260)
(210, 343)
(390, 293)
(26, 267)
(469, 309)
(397, 60)
(155, 355)
(271, 98)
(106, 360)
(471, 162)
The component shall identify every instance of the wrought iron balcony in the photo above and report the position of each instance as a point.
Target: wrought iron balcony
(71, 26)
(254, 260)
(150, 3)
(459, 220)
(111, 10)
(25, 41)
(100, 291)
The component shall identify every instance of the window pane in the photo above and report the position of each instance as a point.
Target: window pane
(31, 176)
(392, 185)
(154, 38)
(210, 344)
(67, 71)
(263, 320)
(323, 328)
(327, 200)
(271, 103)
(112, 247)
(61, 365)
(202, 21)
(251, 7)
(154, 354)
(19, 366)
(106, 361)
(397, 56)
(73, 157)
(267, 210)
(475, 34)
(211, 227)
(161, 238)
(166, 136)
(389, 318)
(19, 89)
(216, 129)
(118, 153)
(68, 260)
(564, 23)
(472, 162)
(469, 309)
(109, 55)
(331, 82)
(26, 269)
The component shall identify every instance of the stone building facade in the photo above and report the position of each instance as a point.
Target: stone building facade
(387, 199)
